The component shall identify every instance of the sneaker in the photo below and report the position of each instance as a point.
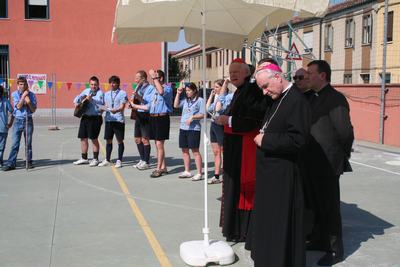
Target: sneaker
(143, 166)
(118, 164)
(104, 163)
(81, 161)
(94, 163)
(30, 165)
(197, 177)
(185, 174)
(214, 181)
(138, 164)
(7, 168)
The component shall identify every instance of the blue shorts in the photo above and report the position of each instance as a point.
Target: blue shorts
(217, 134)
(189, 139)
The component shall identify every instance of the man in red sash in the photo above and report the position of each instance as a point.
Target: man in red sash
(241, 121)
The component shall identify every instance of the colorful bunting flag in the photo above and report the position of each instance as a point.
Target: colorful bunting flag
(78, 86)
(1, 81)
(133, 86)
(49, 84)
(30, 82)
(40, 83)
(59, 85)
(87, 85)
(69, 84)
(11, 82)
(124, 86)
(106, 86)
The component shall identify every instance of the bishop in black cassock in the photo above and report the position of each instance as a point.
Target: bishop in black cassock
(277, 219)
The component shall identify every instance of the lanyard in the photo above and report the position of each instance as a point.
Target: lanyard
(264, 128)
(113, 98)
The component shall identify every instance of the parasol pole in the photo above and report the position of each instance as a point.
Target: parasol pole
(206, 230)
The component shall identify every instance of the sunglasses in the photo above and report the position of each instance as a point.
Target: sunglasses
(298, 77)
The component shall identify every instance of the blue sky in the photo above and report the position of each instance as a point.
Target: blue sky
(181, 43)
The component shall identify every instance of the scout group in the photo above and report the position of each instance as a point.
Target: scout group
(283, 146)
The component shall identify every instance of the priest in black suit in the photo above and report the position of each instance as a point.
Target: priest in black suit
(328, 157)
(277, 220)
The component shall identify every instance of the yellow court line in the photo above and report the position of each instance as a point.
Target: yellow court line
(155, 245)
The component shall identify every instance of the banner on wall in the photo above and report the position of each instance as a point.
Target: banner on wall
(37, 82)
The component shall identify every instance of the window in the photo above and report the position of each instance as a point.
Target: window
(347, 79)
(226, 57)
(220, 58)
(3, 9)
(388, 77)
(349, 34)
(37, 9)
(365, 77)
(328, 37)
(208, 60)
(367, 29)
(308, 38)
(279, 45)
(4, 63)
(390, 27)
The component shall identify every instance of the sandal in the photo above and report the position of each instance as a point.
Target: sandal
(164, 171)
(156, 173)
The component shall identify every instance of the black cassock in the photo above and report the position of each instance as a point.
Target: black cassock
(277, 220)
(247, 109)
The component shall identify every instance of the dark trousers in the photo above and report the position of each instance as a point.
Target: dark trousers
(324, 193)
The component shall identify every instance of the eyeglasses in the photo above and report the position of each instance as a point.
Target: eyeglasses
(298, 77)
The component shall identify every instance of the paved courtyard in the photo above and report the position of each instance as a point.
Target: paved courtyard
(58, 214)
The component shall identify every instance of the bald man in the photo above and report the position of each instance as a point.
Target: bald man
(241, 121)
(302, 83)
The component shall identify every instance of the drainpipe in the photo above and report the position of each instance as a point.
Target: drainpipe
(383, 78)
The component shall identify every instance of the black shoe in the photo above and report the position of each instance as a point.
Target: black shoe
(8, 168)
(330, 258)
(30, 165)
(313, 245)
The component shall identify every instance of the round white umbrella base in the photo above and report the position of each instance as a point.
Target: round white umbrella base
(196, 253)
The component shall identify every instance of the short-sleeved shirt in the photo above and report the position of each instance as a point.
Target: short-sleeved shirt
(222, 99)
(5, 108)
(145, 91)
(21, 113)
(190, 108)
(161, 103)
(113, 100)
(93, 106)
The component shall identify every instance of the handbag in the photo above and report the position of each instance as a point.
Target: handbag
(80, 109)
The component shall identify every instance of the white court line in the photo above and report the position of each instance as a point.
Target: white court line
(373, 167)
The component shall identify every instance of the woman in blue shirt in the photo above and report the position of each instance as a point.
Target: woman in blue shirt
(215, 106)
(190, 128)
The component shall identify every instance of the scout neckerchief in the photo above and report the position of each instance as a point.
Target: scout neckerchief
(190, 103)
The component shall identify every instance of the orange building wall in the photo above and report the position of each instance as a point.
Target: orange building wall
(365, 103)
(74, 44)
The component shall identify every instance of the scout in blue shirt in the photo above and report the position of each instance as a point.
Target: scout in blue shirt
(115, 101)
(215, 107)
(25, 105)
(6, 110)
(160, 106)
(91, 121)
(189, 133)
(142, 96)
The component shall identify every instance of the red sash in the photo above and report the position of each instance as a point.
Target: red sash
(248, 168)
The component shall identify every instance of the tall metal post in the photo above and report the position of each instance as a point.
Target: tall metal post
(383, 77)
